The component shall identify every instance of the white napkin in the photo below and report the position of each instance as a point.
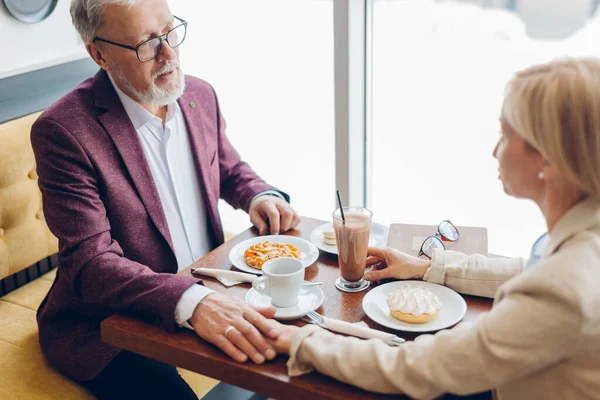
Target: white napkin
(359, 329)
(227, 282)
(227, 278)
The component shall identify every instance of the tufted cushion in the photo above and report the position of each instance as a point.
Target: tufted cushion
(24, 236)
(24, 373)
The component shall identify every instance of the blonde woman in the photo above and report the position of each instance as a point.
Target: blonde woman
(541, 340)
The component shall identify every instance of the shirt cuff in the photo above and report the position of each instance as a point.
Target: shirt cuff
(437, 272)
(188, 302)
(268, 192)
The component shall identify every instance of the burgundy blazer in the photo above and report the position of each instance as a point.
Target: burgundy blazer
(99, 199)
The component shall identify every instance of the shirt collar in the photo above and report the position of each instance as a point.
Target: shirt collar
(581, 217)
(538, 250)
(138, 115)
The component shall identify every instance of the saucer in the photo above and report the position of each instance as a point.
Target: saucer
(310, 298)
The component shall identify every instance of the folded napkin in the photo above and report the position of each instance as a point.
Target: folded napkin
(359, 329)
(226, 277)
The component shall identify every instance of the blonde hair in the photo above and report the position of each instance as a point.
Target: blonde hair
(555, 107)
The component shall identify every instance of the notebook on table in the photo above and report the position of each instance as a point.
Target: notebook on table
(408, 238)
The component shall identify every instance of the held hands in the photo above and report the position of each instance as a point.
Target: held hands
(391, 263)
(242, 331)
(271, 211)
(284, 341)
(236, 328)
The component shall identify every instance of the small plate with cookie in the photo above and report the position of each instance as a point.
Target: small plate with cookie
(251, 254)
(323, 237)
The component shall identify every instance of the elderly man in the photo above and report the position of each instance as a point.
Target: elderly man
(131, 165)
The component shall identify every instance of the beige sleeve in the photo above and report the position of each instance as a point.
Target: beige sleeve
(475, 274)
(523, 333)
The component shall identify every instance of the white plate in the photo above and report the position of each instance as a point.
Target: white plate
(453, 309)
(308, 252)
(379, 236)
(311, 298)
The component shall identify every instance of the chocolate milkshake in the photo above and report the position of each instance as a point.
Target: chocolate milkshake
(352, 238)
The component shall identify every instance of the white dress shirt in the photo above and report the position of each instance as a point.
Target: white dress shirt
(171, 161)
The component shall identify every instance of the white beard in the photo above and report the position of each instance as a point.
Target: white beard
(153, 94)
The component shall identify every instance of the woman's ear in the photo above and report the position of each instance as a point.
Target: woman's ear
(548, 171)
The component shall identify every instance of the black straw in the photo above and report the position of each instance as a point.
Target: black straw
(341, 206)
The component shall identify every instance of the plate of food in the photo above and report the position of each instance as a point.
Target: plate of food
(251, 254)
(323, 237)
(414, 306)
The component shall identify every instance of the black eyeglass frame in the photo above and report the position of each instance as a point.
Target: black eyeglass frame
(160, 41)
(439, 237)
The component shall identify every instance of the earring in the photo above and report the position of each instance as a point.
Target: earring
(541, 175)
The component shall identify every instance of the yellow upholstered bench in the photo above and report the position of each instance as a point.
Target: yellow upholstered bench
(25, 240)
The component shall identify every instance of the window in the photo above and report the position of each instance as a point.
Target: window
(439, 70)
(271, 64)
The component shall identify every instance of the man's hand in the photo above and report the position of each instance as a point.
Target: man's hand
(216, 313)
(271, 211)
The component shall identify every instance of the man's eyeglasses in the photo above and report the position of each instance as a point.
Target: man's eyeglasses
(150, 49)
(446, 232)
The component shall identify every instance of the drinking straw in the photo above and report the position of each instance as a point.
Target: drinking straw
(341, 207)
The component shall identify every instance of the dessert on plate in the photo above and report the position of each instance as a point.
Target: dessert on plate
(329, 237)
(414, 305)
(259, 253)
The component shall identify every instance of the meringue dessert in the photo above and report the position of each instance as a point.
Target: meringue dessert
(329, 237)
(414, 305)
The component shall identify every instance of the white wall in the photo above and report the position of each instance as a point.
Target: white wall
(27, 47)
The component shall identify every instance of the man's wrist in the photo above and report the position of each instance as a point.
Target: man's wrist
(196, 313)
(187, 304)
(267, 193)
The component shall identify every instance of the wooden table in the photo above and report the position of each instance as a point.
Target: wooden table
(185, 349)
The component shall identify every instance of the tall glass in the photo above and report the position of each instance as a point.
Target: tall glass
(352, 238)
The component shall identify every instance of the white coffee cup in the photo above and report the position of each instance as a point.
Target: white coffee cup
(282, 280)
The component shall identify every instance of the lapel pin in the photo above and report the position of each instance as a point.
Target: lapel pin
(193, 104)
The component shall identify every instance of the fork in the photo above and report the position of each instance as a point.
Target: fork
(389, 339)
(315, 317)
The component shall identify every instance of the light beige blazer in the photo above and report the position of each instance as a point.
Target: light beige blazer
(541, 340)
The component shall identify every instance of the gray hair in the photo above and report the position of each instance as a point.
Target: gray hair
(87, 15)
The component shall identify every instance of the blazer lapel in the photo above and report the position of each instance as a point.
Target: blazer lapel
(117, 124)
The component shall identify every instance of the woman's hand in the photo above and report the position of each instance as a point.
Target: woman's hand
(391, 263)
(284, 341)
